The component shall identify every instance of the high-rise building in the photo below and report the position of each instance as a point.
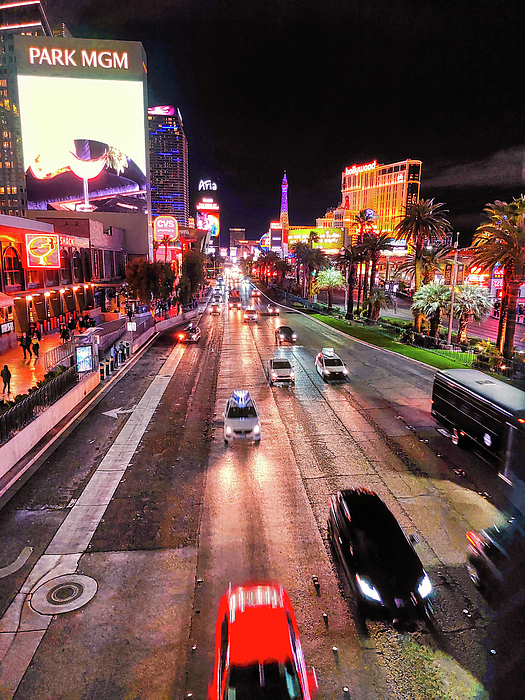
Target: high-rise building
(169, 171)
(284, 221)
(384, 189)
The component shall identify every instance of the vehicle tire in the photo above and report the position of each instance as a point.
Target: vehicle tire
(226, 442)
(270, 383)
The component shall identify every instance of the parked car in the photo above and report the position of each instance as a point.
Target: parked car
(258, 653)
(329, 365)
(280, 370)
(377, 558)
(285, 334)
(191, 334)
(241, 418)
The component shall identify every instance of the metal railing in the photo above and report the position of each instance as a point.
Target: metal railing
(22, 413)
(56, 356)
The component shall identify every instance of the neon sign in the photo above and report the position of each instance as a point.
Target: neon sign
(42, 251)
(165, 225)
(356, 169)
(66, 57)
(207, 185)
(164, 110)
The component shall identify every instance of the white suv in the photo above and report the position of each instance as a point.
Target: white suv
(329, 365)
(250, 314)
(241, 418)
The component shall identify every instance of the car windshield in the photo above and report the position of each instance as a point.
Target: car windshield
(332, 362)
(281, 364)
(285, 330)
(268, 681)
(242, 412)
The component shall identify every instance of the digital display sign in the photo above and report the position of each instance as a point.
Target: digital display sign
(84, 357)
(42, 251)
(208, 217)
(83, 122)
(165, 226)
(330, 240)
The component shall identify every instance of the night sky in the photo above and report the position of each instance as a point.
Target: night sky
(312, 86)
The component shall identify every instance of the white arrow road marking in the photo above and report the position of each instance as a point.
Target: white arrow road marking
(115, 411)
(18, 562)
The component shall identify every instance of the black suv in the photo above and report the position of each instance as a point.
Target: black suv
(378, 559)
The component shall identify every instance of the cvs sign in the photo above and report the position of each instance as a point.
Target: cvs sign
(165, 226)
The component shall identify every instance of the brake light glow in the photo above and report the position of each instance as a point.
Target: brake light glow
(474, 539)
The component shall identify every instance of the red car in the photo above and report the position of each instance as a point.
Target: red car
(258, 655)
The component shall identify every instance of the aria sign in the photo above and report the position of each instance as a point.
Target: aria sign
(165, 226)
(207, 186)
(42, 251)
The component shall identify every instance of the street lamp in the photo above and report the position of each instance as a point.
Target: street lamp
(454, 279)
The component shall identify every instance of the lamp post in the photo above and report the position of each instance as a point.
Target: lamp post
(454, 279)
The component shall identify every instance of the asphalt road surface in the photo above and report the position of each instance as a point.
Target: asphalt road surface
(187, 515)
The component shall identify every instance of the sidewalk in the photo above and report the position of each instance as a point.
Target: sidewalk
(26, 373)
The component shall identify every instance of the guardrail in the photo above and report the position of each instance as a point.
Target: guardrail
(56, 356)
(19, 415)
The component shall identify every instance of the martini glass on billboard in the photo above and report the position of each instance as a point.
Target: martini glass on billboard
(86, 170)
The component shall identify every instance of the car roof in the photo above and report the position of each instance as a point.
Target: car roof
(281, 359)
(241, 398)
(259, 634)
(285, 328)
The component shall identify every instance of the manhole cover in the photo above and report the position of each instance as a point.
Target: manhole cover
(63, 594)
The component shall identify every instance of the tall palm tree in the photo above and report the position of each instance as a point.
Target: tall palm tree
(281, 267)
(433, 260)
(363, 223)
(328, 280)
(300, 251)
(430, 300)
(317, 260)
(350, 257)
(470, 301)
(502, 240)
(423, 221)
(374, 245)
(165, 241)
(313, 237)
(156, 246)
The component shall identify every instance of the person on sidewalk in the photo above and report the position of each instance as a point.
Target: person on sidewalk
(26, 345)
(6, 377)
(64, 333)
(38, 334)
(36, 347)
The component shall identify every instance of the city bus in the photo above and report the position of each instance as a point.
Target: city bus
(485, 412)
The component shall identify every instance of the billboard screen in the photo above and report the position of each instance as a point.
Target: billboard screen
(83, 124)
(208, 217)
(330, 240)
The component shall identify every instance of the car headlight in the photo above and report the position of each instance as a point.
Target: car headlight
(345, 371)
(274, 375)
(425, 586)
(228, 430)
(294, 337)
(367, 589)
(256, 429)
(292, 375)
(326, 371)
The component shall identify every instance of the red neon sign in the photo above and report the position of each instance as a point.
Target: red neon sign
(355, 169)
(42, 251)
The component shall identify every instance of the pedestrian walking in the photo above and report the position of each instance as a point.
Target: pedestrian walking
(130, 314)
(26, 345)
(36, 347)
(38, 334)
(6, 377)
(72, 324)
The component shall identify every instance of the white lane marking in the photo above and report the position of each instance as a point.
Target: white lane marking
(17, 564)
(115, 411)
(73, 536)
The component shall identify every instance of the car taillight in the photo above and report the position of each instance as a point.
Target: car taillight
(181, 336)
(474, 539)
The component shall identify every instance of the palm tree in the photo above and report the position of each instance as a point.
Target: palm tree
(364, 224)
(430, 300)
(282, 267)
(423, 221)
(156, 246)
(470, 301)
(317, 260)
(378, 299)
(502, 240)
(374, 245)
(328, 280)
(433, 260)
(165, 241)
(313, 237)
(350, 258)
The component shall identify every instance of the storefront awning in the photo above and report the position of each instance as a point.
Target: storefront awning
(6, 301)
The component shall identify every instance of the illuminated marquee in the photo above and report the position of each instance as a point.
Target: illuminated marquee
(165, 226)
(208, 218)
(329, 240)
(67, 57)
(42, 251)
(356, 169)
(207, 185)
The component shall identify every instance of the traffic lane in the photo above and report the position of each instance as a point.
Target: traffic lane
(336, 448)
(257, 524)
(143, 557)
(34, 514)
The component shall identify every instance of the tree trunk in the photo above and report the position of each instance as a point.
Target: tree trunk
(351, 287)
(434, 324)
(510, 329)
(462, 329)
(359, 286)
(330, 295)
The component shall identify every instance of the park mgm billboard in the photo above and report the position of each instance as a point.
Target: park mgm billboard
(83, 117)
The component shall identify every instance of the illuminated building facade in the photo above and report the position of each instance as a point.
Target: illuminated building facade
(385, 189)
(283, 220)
(169, 170)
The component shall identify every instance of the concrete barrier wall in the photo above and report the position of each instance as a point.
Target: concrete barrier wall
(27, 438)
